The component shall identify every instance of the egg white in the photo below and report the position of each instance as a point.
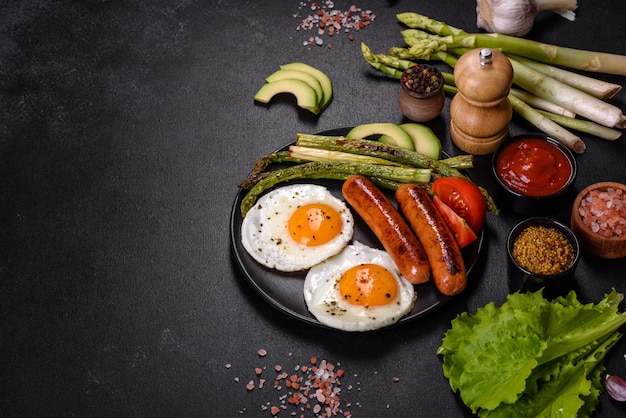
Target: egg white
(324, 301)
(265, 235)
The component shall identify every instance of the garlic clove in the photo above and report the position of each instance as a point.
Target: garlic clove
(567, 14)
(615, 387)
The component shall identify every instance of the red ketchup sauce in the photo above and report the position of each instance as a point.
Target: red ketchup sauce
(533, 167)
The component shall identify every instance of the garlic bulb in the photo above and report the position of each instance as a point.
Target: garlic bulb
(516, 17)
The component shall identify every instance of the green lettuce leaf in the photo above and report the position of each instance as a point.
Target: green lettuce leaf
(571, 325)
(531, 354)
(573, 391)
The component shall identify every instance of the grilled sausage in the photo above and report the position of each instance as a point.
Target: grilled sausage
(446, 262)
(389, 227)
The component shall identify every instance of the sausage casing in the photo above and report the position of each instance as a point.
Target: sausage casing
(445, 258)
(389, 227)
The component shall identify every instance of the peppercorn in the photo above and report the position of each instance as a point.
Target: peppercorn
(421, 79)
(543, 250)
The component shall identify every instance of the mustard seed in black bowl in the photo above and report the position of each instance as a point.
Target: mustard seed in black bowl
(543, 250)
(542, 253)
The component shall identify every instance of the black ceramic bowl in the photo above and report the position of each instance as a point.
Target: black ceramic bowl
(534, 174)
(523, 279)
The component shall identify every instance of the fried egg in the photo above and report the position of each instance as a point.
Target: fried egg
(359, 289)
(295, 227)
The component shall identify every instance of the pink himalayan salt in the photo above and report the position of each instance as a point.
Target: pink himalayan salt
(604, 212)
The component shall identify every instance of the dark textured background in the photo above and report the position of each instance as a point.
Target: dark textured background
(125, 127)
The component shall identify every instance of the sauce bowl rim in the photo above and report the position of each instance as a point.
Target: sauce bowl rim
(568, 153)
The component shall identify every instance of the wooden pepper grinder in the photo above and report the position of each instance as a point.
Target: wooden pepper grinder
(480, 112)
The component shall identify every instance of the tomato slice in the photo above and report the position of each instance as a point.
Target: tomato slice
(464, 198)
(463, 234)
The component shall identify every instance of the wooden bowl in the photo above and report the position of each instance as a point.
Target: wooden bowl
(421, 107)
(590, 241)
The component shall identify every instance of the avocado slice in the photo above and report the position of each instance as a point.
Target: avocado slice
(323, 79)
(299, 75)
(390, 134)
(424, 139)
(305, 95)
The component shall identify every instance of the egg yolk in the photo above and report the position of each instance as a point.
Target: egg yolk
(314, 224)
(368, 284)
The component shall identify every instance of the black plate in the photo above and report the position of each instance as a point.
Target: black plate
(284, 291)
